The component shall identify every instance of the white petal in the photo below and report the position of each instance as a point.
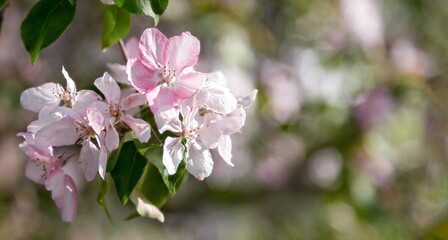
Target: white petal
(45, 119)
(219, 99)
(168, 120)
(225, 149)
(36, 98)
(247, 101)
(88, 160)
(71, 86)
(199, 162)
(132, 101)
(107, 85)
(141, 128)
(102, 162)
(112, 138)
(173, 151)
(37, 171)
(211, 130)
(84, 99)
(96, 119)
(63, 192)
(118, 72)
(144, 207)
(60, 133)
(217, 77)
(233, 122)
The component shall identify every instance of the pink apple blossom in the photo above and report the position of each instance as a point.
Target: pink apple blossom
(163, 70)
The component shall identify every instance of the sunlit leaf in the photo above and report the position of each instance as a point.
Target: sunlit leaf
(144, 7)
(45, 23)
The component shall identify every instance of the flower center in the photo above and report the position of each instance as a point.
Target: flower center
(61, 93)
(168, 76)
(115, 110)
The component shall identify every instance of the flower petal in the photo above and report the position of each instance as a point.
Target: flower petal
(96, 119)
(141, 128)
(85, 98)
(71, 86)
(132, 101)
(60, 133)
(166, 97)
(188, 84)
(102, 162)
(199, 162)
(181, 52)
(112, 138)
(63, 192)
(225, 149)
(107, 85)
(88, 160)
(219, 99)
(168, 120)
(152, 45)
(132, 47)
(36, 171)
(247, 101)
(36, 98)
(143, 79)
(173, 151)
(233, 122)
(144, 207)
(118, 72)
(211, 130)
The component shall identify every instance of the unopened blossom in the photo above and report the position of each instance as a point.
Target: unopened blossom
(163, 70)
(114, 112)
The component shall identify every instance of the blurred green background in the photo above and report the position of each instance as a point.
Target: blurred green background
(347, 139)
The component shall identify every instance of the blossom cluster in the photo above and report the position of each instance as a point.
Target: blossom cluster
(76, 131)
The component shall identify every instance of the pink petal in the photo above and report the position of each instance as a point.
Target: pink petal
(45, 119)
(36, 98)
(133, 100)
(141, 128)
(168, 120)
(88, 160)
(188, 84)
(152, 45)
(132, 47)
(211, 130)
(112, 138)
(96, 120)
(233, 122)
(225, 149)
(166, 97)
(63, 192)
(199, 162)
(60, 133)
(141, 77)
(107, 85)
(181, 52)
(71, 87)
(173, 151)
(85, 98)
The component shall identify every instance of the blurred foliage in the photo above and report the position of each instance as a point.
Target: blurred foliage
(347, 139)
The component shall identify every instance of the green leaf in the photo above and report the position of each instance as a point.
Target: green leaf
(100, 199)
(3, 4)
(153, 187)
(157, 184)
(142, 7)
(45, 23)
(133, 215)
(117, 23)
(159, 6)
(128, 170)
